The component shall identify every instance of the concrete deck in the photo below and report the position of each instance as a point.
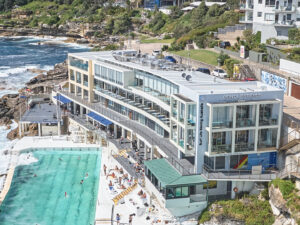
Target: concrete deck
(291, 108)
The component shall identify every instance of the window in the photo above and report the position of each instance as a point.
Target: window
(185, 191)
(259, 1)
(178, 192)
(270, 3)
(298, 3)
(259, 14)
(289, 17)
(72, 75)
(279, 33)
(78, 77)
(269, 17)
(85, 80)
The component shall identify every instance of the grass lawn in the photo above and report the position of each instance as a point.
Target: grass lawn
(164, 41)
(201, 55)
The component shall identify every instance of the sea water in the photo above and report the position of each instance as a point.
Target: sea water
(50, 191)
(18, 54)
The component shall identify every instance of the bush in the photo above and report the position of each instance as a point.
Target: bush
(229, 64)
(222, 57)
(165, 48)
(286, 187)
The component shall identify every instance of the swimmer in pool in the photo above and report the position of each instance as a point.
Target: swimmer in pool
(81, 182)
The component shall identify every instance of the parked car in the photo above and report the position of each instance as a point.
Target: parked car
(224, 44)
(249, 79)
(156, 52)
(219, 73)
(203, 70)
(170, 58)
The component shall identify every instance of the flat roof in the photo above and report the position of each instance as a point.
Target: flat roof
(41, 113)
(169, 176)
(200, 83)
(183, 98)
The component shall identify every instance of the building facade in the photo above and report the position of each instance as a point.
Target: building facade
(226, 132)
(273, 18)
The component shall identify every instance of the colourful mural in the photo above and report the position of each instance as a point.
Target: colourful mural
(273, 80)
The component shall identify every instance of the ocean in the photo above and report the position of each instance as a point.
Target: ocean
(18, 54)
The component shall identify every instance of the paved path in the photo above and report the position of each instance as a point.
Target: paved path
(291, 107)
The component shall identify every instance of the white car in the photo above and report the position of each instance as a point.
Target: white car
(156, 52)
(219, 73)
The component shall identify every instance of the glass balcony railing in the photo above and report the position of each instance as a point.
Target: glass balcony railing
(244, 147)
(86, 83)
(181, 143)
(245, 122)
(79, 64)
(163, 97)
(219, 149)
(221, 124)
(267, 121)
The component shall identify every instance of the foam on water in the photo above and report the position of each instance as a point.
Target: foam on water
(4, 142)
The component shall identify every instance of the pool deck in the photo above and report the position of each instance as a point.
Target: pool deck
(7, 183)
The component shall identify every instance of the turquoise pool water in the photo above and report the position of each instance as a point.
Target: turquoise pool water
(41, 199)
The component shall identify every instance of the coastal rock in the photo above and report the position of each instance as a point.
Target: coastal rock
(277, 199)
(13, 134)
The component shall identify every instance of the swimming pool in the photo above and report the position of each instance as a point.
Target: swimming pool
(60, 189)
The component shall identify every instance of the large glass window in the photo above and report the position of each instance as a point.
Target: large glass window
(191, 139)
(174, 108)
(85, 80)
(238, 161)
(222, 117)
(245, 115)
(78, 77)
(119, 78)
(181, 137)
(181, 112)
(267, 138)
(244, 140)
(268, 114)
(221, 142)
(191, 120)
(72, 77)
(177, 192)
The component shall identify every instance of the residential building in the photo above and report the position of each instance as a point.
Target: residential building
(225, 134)
(273, 18)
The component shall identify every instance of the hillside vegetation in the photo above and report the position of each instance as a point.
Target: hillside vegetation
(181, 28)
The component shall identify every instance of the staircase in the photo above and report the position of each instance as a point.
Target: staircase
(246, 72)
(124, 193)
(290, 140)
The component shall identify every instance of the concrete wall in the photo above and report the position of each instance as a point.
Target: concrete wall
(49, 130)
(270, 31)
(193, 63)
(290, 67)
(228, 52)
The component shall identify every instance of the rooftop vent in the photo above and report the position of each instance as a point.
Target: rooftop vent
(183, 75)
(188, 77)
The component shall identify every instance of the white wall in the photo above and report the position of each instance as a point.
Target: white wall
(290, 67)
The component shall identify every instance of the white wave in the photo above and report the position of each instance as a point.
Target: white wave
(3, 74)
(5, 143)
(4, 67)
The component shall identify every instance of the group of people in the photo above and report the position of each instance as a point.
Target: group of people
(118, 218)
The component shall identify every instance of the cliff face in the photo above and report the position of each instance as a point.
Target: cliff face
(284, 209)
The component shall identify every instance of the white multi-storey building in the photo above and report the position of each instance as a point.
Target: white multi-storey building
(273, 18)
(197, 128)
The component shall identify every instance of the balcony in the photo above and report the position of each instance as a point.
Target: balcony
(290, 23)
(242, 175)
(244, 6)
(79, 64)
(221, 149)
(182, 165)
(164, 98)
(244, 147)
(221, 124)
(244, 19)
(263, 121)
(154, 113)
(285, 9)
(245, 122)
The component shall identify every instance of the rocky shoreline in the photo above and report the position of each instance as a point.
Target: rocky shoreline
(11, 105)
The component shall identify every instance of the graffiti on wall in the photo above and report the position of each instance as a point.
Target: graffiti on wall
(273, 80)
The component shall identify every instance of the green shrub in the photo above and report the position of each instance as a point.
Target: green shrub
(286, 187)
(222, 57)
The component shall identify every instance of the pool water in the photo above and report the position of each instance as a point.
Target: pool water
(37, 193)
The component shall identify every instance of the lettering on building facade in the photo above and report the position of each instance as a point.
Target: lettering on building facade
(201, 124)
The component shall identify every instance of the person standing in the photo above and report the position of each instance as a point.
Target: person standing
(104, 168)
(118, 218)
(130, 219)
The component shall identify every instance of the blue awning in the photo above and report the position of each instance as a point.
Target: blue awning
(99, 118)
(62, 99)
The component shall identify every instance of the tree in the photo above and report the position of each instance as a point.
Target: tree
(198, 14)
(109, 26)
